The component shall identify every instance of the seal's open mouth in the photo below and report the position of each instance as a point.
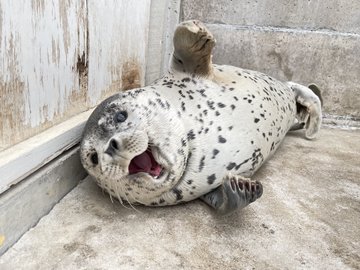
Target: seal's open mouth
(146, 163)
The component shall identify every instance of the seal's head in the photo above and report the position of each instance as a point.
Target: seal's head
(135, 146)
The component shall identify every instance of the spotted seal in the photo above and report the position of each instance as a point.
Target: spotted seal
(198, 132)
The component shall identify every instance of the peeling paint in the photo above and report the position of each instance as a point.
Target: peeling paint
(37, 79)
(12, 87)
(1, 22)
(64, 16)
(38, 6)
(59, 58)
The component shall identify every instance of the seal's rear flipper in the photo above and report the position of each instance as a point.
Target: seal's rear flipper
(316, 91)
(235, 192)
(308, 101)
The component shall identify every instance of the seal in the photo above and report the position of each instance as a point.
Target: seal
(200, 131)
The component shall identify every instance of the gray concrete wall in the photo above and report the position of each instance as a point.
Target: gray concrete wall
(304, 41)
(22, 206)
(164, 17)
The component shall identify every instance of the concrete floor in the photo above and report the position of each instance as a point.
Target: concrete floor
(308, 218)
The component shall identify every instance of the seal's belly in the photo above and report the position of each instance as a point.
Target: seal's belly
(233, 126)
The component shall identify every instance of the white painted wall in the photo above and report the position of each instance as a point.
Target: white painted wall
(118, 41)
(59, 58)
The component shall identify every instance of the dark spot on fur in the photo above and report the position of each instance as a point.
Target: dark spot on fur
(272, 146)
(170, 83)
(211, 104)
(178, 194)
(183, 142)
(181, 94)
(162, 104)
(183, 106)
(202, 164)
(191, 135)
(186, 79)
(202, 92)
(242, 163)
(222, 139)
(230, 166)
(215, 152)
(211, 179)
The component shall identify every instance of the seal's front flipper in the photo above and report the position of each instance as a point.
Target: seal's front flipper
(193, 45)
(308, 101)
(235, 192)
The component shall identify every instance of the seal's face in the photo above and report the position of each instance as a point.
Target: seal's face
(134, 152)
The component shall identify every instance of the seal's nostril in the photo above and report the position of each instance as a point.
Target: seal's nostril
(114, 145)
(112, 148)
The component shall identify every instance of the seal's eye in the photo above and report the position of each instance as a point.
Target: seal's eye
(94, 158)
(120, 117)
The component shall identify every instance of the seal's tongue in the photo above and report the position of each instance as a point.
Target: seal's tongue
(145, 162)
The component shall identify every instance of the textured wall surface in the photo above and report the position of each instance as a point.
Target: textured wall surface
(59, 58)
(163, 20)
(304, 41)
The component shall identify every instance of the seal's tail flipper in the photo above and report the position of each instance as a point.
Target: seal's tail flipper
(308, 101)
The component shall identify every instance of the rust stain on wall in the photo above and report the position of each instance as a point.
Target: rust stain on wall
(78, 97)
(130, 75)
(11, 110)
(124, 77)
(11, 99)
(82, 68)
